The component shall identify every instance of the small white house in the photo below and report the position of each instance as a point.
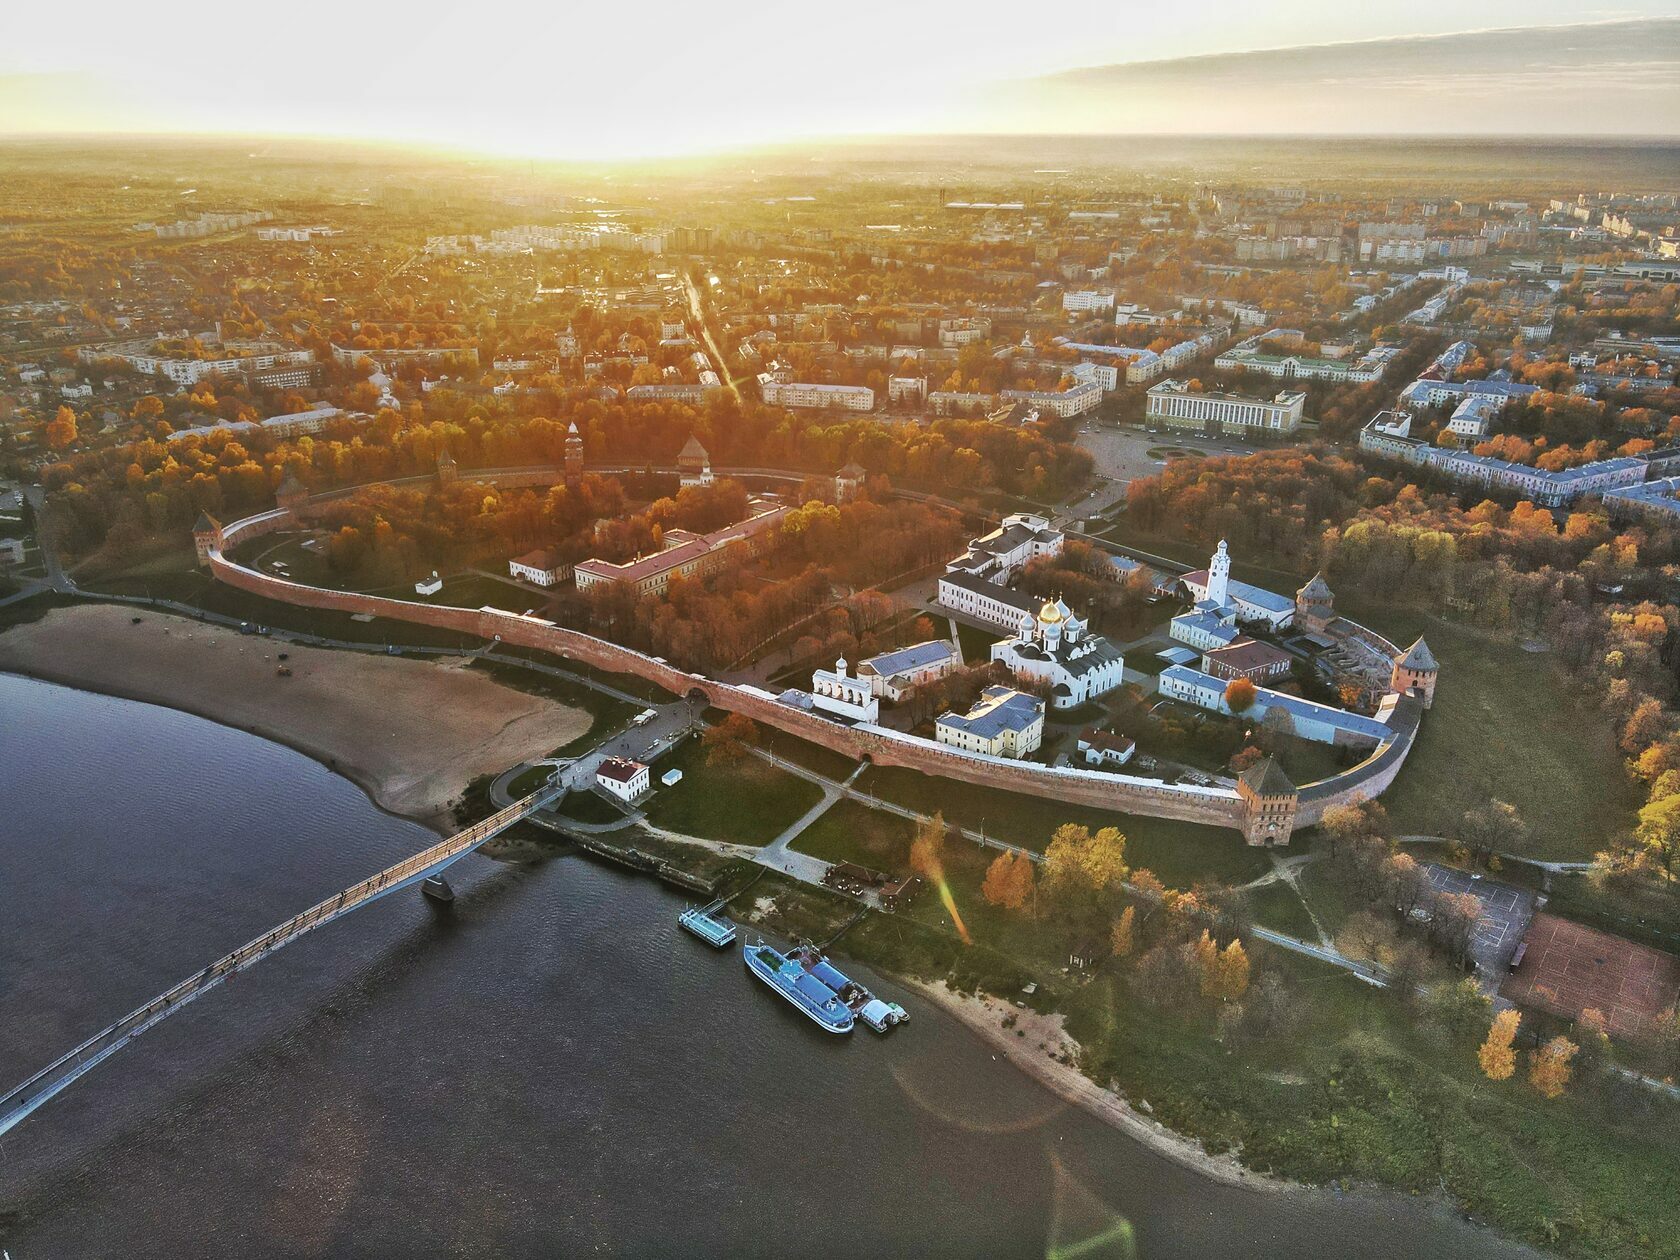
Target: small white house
(623, 778)
(429, 586)
(540, 568)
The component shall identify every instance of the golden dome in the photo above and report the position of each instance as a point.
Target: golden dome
(1050, 614)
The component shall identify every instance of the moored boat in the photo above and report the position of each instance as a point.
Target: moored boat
(788, 977)
(715, 930)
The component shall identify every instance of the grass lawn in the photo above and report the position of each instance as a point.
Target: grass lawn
(589, 807)
(529, 781)
(976, 643)
(1507, 723)
(825, 761)
(749, 802)
(852, 832)
(1180, 853)
(1277, 906)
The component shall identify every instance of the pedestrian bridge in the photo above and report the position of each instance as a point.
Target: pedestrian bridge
(19, 1103)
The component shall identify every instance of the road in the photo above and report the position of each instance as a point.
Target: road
(697, 312)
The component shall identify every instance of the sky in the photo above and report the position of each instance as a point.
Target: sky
(559, 79)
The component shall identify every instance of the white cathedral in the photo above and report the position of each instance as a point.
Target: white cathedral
(1057, 650)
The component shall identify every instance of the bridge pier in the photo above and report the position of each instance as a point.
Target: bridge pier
(437, 890)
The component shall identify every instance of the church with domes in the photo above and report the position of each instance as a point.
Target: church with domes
(1056, 649)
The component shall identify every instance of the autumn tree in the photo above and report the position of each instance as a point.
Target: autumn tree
(728, 741)
(61, 429)
(1009, 881)
(1658, 833)
(1224, 972)
(1240, 695)
(1082, 867)
(1121, 935)
(1496, 827)
(1496, 1056)
(1549, 1067)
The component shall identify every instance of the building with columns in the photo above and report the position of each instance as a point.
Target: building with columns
(834, 691)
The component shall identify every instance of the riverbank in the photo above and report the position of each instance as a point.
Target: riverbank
(1036, 1043)
(410, 733)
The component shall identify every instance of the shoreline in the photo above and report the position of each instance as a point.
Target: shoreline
(983, 1016)
(411, 734)
(436, 820)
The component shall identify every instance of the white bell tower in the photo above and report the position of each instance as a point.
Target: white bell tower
(1219, 574)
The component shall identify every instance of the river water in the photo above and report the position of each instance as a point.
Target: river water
(548, 1068)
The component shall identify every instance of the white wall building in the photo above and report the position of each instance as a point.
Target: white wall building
(1003, 723)
(834, 692)
(540, 568)
(622, 778)
(894, 675)
(1215, 587)
(1171, 403)
(822, 397)
(1056, 650)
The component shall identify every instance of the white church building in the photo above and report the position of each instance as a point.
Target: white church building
(834, 691)
(1217, 590)
(1055, 649)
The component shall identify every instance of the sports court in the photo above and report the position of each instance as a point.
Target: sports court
(1568, 968)
(1505, 912)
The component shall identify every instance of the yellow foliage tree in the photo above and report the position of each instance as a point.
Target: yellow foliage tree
(1497, 1058)
(1233, 972)
(926, 850)
(1549, 1070)
(1003, 886)
(1121, 935)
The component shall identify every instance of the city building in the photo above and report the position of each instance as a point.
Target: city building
(689, 555)
(1054, 649)
(894, 675)
(1306, 719)
(1657, 501)
(1251, 356)
(1474, 416)
(1075, 400)
(1214, 586)
(541, 568)
(1388, 435)
(1103, 748)
(1003, 723)
(622, 778)
(1173, 404)
(1247, 658)
(821, 397)
(834, 691)
(1077, 300)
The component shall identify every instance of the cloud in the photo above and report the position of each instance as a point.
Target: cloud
(1611, 78)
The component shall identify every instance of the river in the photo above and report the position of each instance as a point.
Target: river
(547, 1068)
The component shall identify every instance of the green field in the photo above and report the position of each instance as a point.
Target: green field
(1180, 853)
(1509, 724)
(852, 832)
(749, 802)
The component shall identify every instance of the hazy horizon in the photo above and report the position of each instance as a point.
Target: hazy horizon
(530, 83)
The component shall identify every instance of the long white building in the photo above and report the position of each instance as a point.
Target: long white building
(1173, 404)
(822, 397)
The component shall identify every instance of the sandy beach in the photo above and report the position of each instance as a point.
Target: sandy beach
(412, 734)
(1039, 1053)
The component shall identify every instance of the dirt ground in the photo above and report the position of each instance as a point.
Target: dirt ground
(411, 733)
